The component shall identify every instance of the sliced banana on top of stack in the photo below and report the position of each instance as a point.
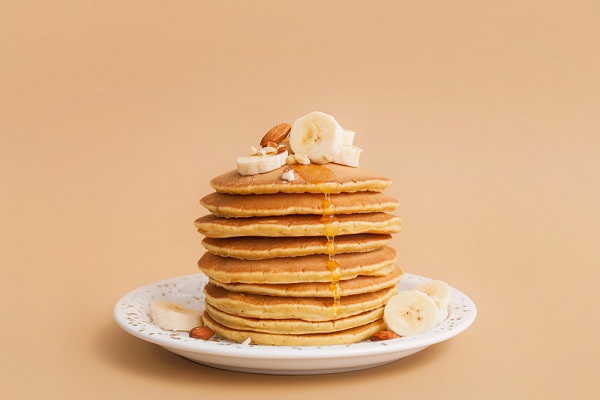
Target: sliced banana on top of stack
(313, 138)
(258, 163)
(349, 155)
(318, 135)
(323, 140)
(416, 311)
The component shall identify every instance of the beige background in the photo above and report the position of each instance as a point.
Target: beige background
(115, 115)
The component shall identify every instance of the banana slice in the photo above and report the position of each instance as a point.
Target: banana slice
(173, 317)
(410, 313)
(318, 135)
(440, 293)
(258, 164)
(348, 137)
(348, 155)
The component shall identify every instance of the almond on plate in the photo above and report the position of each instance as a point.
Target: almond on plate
(201, 332)
(384, 335)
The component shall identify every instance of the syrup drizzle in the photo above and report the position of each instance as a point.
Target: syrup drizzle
(332, 223)
(324, 179)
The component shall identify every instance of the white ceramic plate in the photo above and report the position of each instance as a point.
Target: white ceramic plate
(132, 313)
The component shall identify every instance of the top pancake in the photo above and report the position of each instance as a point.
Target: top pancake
(313, 178)
(233, 206)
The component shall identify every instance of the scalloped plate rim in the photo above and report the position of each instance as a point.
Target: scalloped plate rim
(463, 315)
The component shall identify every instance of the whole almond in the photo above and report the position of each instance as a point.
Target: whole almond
(384, 335)
(276, 134)
(201, 332)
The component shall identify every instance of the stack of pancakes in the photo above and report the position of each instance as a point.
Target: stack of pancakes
(271, 245)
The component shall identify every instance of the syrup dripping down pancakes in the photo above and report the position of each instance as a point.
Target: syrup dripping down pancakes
(301, 262)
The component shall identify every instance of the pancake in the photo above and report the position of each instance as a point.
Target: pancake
(258, 248)
(313, 178)
(231, 205)
(311, 268)
(295, 326)
(347, 336)
(305, 308)
(296, 225)
(358, 285)
(299, 262)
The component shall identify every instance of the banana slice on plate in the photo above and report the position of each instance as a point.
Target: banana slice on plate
(318, 135)
(173, 317)
(440, 293)
(410, 313)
